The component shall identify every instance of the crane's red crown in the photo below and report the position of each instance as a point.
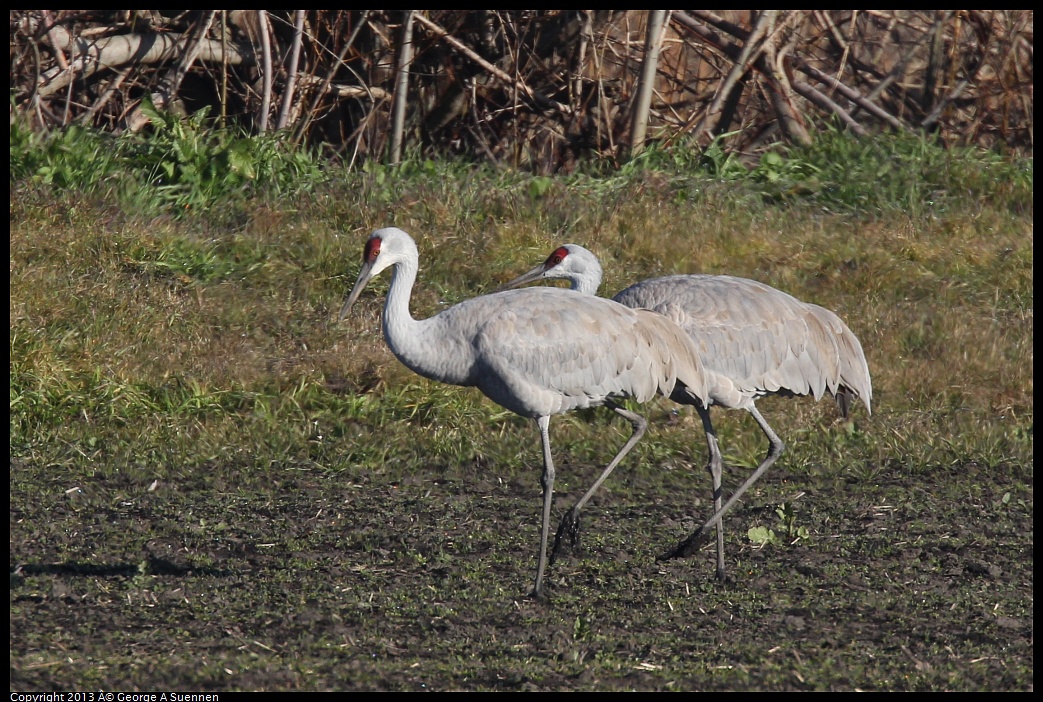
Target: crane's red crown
(556, 257)
(372, 249)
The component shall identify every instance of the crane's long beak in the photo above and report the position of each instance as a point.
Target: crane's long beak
(365, 275)
(535, 274)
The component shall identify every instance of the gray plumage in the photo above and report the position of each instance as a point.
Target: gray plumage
(538, 352)
(753, 340)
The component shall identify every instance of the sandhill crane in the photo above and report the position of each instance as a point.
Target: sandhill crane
(537, 352)
(753, 340)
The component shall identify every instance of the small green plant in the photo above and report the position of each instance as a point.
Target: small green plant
(764, 536)
(179, 164)
(188, 165)
(73, 158)
(891, 172)
(580, 628)
(788, 517)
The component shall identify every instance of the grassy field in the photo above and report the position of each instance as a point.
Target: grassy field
(214, 486)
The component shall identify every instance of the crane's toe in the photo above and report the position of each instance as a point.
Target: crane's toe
(540, 593)
(567, 538)
(689, 546)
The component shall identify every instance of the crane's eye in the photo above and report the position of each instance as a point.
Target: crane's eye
(372, 249)
(558, 256)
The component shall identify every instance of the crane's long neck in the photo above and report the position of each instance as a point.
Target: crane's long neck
(400, 329)
(422, 345)
(586, 284)
(583, 272)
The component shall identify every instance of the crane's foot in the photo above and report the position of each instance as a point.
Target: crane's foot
(538, 595)
(541, 592)
(567, 538)
(688, 547)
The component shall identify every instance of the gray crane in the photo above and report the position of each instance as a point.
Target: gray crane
(537, 352)
(753, 340)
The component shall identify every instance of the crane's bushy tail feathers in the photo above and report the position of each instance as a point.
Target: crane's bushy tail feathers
(681, 355)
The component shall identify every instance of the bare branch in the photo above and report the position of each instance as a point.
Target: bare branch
(814, 96)
(334, 66)
(653, 38)
(171, 82)
(790, 119)
(750, 52)
(541, 100)
(538, 88)
(265, 30)
(113, 52)
(849, 93)
(405, 58)
(291, 70)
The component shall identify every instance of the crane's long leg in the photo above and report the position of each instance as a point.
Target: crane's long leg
(547, 482)
(568, 529)
(699, 537)
(715, 464)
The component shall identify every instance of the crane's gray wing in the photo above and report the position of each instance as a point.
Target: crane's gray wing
(759, 339)
(547, 350)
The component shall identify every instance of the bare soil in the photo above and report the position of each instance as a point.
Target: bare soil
(227, 578)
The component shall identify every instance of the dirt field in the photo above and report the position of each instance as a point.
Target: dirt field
(226, 579)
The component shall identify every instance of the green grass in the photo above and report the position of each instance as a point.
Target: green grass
(307, 480)
(178, 165)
